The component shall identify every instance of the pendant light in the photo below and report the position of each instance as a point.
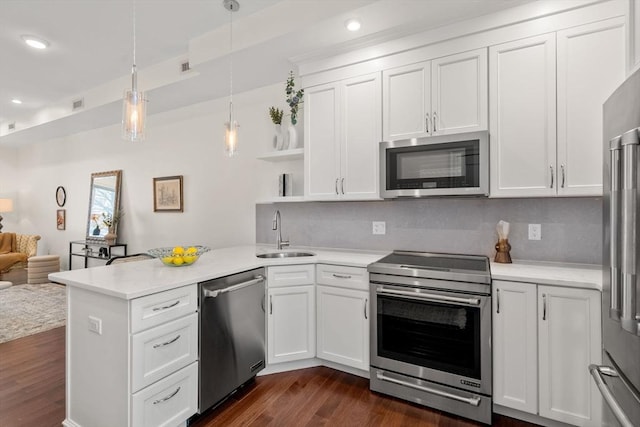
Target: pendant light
(231, 127)
(134, 109)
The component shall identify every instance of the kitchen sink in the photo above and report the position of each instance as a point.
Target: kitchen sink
(285, 254)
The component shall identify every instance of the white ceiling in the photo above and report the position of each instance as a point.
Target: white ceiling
(91, 45)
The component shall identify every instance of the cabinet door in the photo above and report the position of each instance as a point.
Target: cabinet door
(322, 142)
(361, 135)
(291, 324)
(522, 100)
(459, 93)
(515, 348)
(569, 341)
(406, 101)
(585, 81)
(343, 326)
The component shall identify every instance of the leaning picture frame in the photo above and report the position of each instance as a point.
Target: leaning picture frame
(167, 194)
(61, 220)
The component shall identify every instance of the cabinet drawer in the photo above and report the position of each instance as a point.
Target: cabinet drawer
(162, 307)
(290, 275)
(162, 350)
(340, 275)
(169, 402)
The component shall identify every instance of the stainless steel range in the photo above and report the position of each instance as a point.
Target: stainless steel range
(431, 331)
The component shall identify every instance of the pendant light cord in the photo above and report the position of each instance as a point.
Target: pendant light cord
(134, 73)
(230, 63)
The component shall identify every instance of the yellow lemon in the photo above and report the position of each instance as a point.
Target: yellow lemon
(191, 251)
(189, 259)
(178, 260)
(178, 250)
(167, 260)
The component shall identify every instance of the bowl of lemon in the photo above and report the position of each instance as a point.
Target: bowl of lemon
(178, 256)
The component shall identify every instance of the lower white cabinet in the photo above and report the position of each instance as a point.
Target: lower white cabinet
(291, 312)
(544, 339)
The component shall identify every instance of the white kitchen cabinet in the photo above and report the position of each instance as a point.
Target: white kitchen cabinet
(569, 340)
(442, 96)
(515, 346)
(343, 315)
(544, 339)
(342, 132)
(291, 322)
(585, 81)
(522, 107)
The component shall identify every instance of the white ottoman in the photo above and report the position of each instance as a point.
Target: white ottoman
(4, 284)
(39, 267)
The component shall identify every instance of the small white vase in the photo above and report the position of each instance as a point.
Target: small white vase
(292, 134)
(278, 138)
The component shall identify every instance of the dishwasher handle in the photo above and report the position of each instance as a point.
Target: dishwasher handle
(214, 293)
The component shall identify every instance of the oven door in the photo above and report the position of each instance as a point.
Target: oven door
(435, 335)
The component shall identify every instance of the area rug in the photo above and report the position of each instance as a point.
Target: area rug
(29, 309)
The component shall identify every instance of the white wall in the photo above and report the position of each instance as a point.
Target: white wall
(8, 177)
(219, 192)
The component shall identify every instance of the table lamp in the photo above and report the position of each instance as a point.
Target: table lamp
(6, 205)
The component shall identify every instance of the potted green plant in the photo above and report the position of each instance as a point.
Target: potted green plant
(276, 117)
(294, 99)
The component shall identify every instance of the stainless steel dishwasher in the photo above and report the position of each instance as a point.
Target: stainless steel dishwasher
(232, 334)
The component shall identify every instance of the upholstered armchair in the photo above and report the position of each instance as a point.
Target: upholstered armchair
(26, 246)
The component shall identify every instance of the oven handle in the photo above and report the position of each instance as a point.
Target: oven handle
(474, 401)
(381, 290)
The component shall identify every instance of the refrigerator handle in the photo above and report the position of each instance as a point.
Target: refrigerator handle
(597, 372)
(628, 231)
(614, 228)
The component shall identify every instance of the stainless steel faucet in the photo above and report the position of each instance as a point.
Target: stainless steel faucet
(277, 225)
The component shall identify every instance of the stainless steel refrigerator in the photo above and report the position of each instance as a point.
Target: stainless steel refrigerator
(618, 378)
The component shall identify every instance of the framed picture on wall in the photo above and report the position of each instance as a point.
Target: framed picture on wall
(167, 194)
(61, 220)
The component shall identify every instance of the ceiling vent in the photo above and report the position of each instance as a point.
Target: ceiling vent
(184, 67)
(12, 126)
(77, 104)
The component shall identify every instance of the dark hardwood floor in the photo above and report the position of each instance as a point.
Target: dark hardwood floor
(32, 395)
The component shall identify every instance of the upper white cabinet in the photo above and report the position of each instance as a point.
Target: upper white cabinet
(591, 64)
(537, 150)
(342, 132)
(522, 104)
(445, 95)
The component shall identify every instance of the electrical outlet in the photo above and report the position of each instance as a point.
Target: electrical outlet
(95, 325)
(379, 227)
(535, 232)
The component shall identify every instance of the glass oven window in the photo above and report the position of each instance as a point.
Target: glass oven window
(434, 335)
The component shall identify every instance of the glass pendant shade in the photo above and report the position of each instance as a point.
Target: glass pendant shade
(134, 114)
(231, 137)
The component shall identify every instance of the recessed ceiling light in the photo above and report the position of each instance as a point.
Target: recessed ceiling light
(16, 101)
(352, 25)
(35, 42)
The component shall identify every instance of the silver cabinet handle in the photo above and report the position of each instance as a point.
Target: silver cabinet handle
(497, 301)
(552, 176)
(341, 276)
(381, 290)
(544, 306)
(597, 372)
(270, 304)
(213, 294)
(366, 302)
(342, 185)
(167, 343)
(427, 122)
(614, 227)
(166, 306)
(164, 399)
(337, 179)
(629, 244)
(473, 401)
(563, 177)
(435, 119)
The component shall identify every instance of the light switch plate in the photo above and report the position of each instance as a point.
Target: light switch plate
(95, 325)
(379, 227)
(535, 232)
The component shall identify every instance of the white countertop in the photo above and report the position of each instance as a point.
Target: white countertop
(137, 279)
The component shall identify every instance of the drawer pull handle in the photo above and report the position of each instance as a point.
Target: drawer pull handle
(167, 343)
(166, 306)
(341, 276)
(164, 399)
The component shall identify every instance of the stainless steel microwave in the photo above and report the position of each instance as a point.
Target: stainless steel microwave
(446, 165)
